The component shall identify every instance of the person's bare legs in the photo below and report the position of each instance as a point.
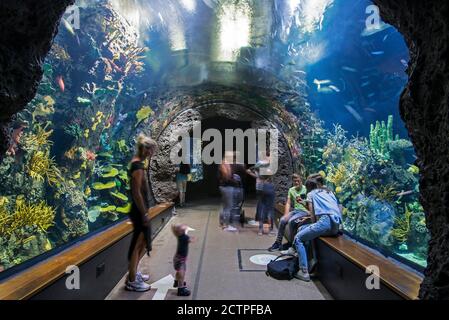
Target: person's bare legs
(180, 275)
(136, 257)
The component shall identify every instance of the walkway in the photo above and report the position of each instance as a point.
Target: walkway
(219, 265)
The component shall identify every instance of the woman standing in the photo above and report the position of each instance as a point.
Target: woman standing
(181, 182)
(141, 240)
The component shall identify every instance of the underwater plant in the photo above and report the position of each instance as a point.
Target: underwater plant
(41, 167)
(386, 192)
(402, 230)
(74, 130)
(38, 139)
(26, 215)
(144, 113)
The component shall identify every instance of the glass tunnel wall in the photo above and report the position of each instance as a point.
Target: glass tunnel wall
(65, 174)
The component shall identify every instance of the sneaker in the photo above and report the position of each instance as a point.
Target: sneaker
(303, 275)
(275, 247)
(291, 251)
(272, 233)
(142, 277)
(253, 223)
(138, 286)
(260, 233)
(230, 229)
(183, 292)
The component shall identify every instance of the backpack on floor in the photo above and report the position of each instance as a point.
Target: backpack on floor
(283, 269)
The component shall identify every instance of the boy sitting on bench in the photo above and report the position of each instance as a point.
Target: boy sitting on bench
(297, 199)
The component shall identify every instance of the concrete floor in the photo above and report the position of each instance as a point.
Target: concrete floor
(218, 266)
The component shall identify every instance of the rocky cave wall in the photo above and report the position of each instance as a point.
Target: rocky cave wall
(27, 30)
(162, 173)
(425, 110)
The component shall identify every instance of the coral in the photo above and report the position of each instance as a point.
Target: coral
(37, 140)
(119, 195)
(386, 192)
(121, 146)
(59, 53)
(402, 230)
(125, 209)
(380, 136)
(104, 186)
(109, 172)
(144, 113)
(74, 130)
(42, 166)
(38, 216)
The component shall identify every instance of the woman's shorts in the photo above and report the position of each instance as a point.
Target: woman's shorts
(179, 263)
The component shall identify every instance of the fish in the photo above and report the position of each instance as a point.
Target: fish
(60, 82)
(354, 113)
(404, 62)
(320, 82)
(385, 38)
(346, 68)
(372, 94)
(405, 193)
(83, 101)
(377, 53)
(68, 27)
(370, 110)
(334, 88)
(364, 84)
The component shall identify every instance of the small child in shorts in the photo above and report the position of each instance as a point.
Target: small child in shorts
(180, 258)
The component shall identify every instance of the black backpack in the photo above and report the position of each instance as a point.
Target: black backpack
(284, 269)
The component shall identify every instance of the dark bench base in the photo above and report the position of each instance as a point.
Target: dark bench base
(344, 280)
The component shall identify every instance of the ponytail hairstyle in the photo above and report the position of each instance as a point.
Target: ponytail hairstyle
(143, 142)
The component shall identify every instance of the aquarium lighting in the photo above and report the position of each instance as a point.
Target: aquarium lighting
(312, 14)
(293, 5)
(176, 36)
(234, 29)
(189, 5)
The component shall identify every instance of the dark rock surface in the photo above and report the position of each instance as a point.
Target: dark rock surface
(27, 30)
(163, 171)
(425, 110)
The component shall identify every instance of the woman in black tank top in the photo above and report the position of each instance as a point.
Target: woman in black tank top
(141, 240)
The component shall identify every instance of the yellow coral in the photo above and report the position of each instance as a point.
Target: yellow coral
(386, 193)
(25, 214)
(144, 113)
(402, 231)
(39, 139)
(41, 166)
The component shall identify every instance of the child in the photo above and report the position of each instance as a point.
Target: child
(180, 258)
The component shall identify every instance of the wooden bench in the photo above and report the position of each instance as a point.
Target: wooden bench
(404, 282)
(29, 282)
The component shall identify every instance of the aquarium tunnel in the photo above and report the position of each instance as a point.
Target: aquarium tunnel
(339, 81)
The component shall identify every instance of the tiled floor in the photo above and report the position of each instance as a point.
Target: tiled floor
(213, 268)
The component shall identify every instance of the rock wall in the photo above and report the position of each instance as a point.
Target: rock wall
(27, 30)
(425, 110)
(162, 173)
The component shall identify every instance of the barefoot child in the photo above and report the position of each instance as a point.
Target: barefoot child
(179, 260)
